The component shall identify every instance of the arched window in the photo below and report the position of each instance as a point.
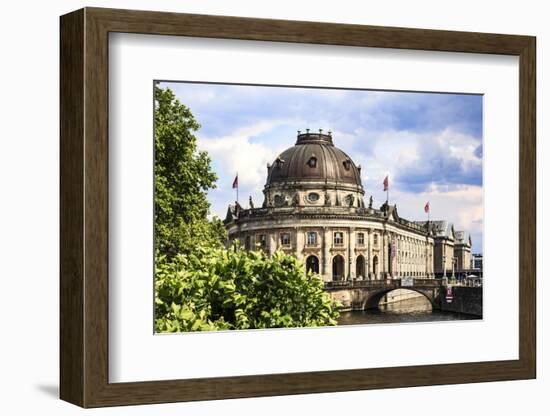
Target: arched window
(312, 162)
(312, 264)
(338, 267)
(360, 267)
(347, 164)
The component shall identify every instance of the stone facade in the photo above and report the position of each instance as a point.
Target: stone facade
(314, 208)
(452, 249)
(462, 251)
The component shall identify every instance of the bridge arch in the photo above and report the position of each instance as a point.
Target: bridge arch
(374, 297)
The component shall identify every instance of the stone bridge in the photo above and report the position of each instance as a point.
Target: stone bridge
(366, 294)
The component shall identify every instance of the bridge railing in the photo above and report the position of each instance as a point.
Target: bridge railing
(375, 283)
(426, 282)
(363, 283)
(338, 283)
(384, 283)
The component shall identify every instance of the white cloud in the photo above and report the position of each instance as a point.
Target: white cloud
(414, 159)
(463, 206)
(237, 152)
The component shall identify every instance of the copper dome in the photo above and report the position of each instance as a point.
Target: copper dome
(314, 158)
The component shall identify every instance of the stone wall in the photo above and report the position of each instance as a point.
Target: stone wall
(399, 295)
(466, 300)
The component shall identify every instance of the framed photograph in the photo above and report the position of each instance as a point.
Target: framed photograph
(254, 207)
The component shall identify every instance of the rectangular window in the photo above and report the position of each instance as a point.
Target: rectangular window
(375, 239)
(262, 241)
(312, 238)
(285, 239)
(360, 239)
(338, 238)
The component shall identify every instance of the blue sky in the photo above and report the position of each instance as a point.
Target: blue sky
(429, 144)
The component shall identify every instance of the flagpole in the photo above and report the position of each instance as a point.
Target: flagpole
(237, 176)
(387, 189)
(428, 212)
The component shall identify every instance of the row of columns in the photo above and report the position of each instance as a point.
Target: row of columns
(381, 251)
(419, 257)
(350, 258)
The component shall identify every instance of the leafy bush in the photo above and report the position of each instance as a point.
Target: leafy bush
(215, 289)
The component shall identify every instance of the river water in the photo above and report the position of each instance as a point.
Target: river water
(410, 310)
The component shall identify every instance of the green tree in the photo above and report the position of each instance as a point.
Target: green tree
(183, 177)
(214, 289)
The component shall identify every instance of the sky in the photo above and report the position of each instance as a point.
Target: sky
(429, 144)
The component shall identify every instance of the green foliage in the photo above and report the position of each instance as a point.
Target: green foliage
(215, 289)
(182, 178)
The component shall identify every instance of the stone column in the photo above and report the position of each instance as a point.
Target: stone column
(433, 259)
(394, 258)
(327, 242)
(369, 254)
(351, 253)
(411, 266)
(419, 266)
(415, 249)
(384, 265)
(391, 270)
(300, 243)
(419, 261)
(272, 242)
(398, 259)
(408, 250)
(429, 258)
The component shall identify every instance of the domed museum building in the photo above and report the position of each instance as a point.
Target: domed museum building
(314, 207)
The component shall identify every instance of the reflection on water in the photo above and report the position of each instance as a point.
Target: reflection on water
(410, 310)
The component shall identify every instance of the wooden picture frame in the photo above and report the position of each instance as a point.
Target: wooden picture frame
(84, 207)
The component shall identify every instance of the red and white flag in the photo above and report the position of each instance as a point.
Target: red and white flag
(386, 183)
(236, 182)
(427, 207)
